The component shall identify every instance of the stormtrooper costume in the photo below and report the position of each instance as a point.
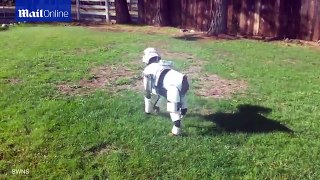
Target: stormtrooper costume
(161, 80)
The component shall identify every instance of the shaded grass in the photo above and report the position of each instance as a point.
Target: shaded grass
(55, 136)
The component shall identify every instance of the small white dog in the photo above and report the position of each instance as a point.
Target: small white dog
(161, 80)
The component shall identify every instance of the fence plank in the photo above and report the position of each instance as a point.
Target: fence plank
(257, 18)
(107, 10)
(277, 17)
(92, 19)
(313, 18)
(128, 1)
(102, 13)
(316, 35)
(77, 10)
(243, 18)
(91, 0)
(250, 16)
(92, 6)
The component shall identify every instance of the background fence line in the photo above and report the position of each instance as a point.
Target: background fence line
(294, 19)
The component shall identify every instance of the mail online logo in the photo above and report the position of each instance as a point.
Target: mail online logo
(43, 10)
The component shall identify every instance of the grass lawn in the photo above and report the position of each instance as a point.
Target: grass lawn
(103, 134)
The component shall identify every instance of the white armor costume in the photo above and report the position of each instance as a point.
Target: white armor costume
(161, 80)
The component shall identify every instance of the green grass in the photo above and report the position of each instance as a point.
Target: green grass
(57, 136)
(123, 81)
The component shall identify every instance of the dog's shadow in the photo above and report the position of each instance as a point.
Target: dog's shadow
(247, 119)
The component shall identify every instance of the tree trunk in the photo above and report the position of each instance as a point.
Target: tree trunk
(122, 12)
(218, 24)
(162, 13)
(141, 14)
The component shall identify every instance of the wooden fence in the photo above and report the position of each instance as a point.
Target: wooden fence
(100, 10)
(270, 18)
(83, 10)
(276, 18)
(7, 14)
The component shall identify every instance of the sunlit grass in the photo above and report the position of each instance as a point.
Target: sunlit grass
(108, 135)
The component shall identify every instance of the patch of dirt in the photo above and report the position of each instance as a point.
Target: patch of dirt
(12, 81)
(217, 87)
(190, 35)
(182, 34)
(115, 78)
(102, 149)
(111, 78)
(212, 85)
(301, 42)
(194, 70)
(297, 42)
(129, 28)
(68, 89)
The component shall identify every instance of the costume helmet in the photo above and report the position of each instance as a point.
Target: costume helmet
(150, 55)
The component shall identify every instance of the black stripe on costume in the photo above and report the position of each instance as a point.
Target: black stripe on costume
(160, 89)
(185, 85)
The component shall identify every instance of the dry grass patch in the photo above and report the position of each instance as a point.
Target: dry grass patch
(103, 148)
(12, 81)
(115, 78)
(111, 78)
(213, 86)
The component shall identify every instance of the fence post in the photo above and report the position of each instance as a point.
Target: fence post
(78, 9)
(107, 11)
